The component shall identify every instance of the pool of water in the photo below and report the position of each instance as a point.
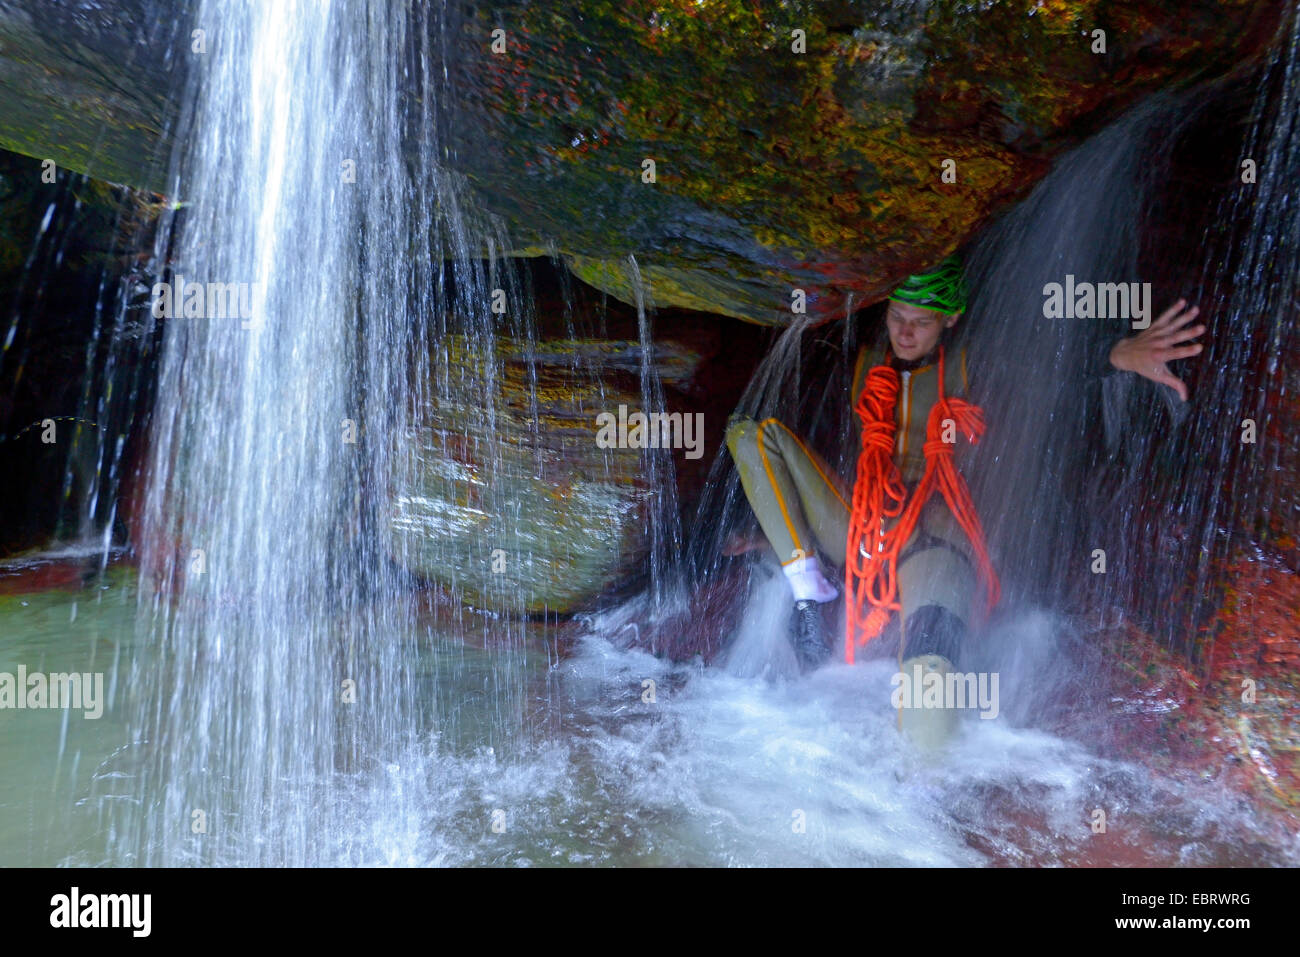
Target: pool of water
(610, 756)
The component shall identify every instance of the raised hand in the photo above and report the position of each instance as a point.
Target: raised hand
(1166, 339)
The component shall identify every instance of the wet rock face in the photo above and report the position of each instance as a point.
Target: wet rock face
(776, 169)
(513, 503)
(65, 246)
(93, 84)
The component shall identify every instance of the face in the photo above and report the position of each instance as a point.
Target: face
(914, 331)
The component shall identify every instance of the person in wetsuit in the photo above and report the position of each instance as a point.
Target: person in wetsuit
(802, 505)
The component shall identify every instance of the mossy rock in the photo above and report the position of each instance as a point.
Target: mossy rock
(821, 170)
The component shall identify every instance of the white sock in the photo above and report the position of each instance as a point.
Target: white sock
(808, 582)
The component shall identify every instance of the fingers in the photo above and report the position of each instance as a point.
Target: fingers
(1179, 321)
(1184, 335)
(1185, 352)
(1168, 314)
(1165, 377)
(1174, 318)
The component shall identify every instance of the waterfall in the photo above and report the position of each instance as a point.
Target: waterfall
(1038, 378)
(312, 201)
(1076, 461)
(1250, 279)
(657, 464)
(359, 409)
(1075, 465)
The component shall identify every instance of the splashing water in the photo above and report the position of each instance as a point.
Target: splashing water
(284, 648)
(271, 588)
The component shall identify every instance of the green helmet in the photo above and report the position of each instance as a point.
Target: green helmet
(943, 288)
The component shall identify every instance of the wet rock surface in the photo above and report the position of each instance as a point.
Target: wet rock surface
(515, 505)
(821, 170)
(94, 85)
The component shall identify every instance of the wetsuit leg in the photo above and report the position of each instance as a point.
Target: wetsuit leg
(937, 586)
(934, 630)
(799, 502)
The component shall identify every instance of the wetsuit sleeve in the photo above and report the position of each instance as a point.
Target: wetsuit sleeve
(1098, 362)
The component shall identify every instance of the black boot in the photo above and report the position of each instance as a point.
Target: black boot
(811, 645)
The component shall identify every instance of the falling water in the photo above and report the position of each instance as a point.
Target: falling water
(283, 652)
(272, 582)
(1039, 379)
(657, 464)
(1250, 280)
(1077, 461)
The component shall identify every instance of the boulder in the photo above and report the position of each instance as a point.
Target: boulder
(511, 501)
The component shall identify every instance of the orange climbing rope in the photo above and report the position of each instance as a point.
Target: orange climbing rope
(871, 577)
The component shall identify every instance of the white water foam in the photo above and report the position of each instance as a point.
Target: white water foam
(748, 764)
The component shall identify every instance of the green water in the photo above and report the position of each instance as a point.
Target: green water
(518, 757)
(62, 773)
(51, 761)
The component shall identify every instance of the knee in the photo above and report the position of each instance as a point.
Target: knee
(772, 435)
(740, 430)
(933, 630)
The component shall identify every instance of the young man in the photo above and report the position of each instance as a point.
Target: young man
(804, 508)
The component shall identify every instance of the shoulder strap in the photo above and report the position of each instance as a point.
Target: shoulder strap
(954, 373)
